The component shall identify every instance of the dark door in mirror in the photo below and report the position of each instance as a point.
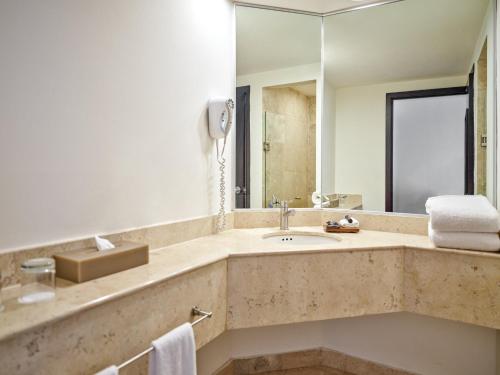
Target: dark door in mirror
(242, 185)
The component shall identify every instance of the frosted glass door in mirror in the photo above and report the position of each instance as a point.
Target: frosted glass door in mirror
(429, 150)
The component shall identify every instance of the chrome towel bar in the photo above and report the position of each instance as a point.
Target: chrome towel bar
(195, 311)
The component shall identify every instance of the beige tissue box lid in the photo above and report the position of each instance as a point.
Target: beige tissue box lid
(88, 264)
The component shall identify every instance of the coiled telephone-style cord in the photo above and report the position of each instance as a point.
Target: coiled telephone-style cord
(221, 216)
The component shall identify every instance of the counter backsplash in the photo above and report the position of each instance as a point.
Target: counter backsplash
(158, 236)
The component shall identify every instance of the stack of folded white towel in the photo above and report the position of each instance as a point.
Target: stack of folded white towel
(463, 222)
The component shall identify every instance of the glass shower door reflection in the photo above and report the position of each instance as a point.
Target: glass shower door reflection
(274, 139)
(289, 160)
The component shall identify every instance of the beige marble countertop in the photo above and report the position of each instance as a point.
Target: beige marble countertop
(184, 257)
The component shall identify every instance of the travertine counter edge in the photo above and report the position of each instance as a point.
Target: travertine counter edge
(366, 273)
(176, 260)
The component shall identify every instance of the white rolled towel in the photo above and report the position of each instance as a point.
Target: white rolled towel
(458, 213)
(465, 240)
(175, 353)
(111, 370)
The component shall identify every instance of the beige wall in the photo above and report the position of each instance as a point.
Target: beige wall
(498, 353)
(481, 119)
(311, 148)
(360, 136)
(487, 34)
(103, 121)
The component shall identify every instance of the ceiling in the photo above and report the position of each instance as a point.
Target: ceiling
(402, 41)
(269, 40)
(411, 39)
(317, 6)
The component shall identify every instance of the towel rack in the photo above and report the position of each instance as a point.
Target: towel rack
(195, 311)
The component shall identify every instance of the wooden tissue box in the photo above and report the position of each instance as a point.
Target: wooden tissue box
(89, 264)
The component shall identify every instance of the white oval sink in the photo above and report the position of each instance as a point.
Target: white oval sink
(301, 238)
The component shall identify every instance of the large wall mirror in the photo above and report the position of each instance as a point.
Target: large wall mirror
(409, 104)
(395, 104)
(278, 96)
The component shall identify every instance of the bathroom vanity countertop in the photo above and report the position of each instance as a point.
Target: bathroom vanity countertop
(187, 256)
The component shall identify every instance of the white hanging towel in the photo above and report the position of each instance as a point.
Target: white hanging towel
(111, 370)
(465, 240)
(462, 213)
(174, 353)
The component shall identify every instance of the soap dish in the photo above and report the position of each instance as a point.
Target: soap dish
(339, 229)
(89, 264)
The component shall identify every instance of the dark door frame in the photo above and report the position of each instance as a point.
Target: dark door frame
(470, 138)
(242, 199)
(390, 98)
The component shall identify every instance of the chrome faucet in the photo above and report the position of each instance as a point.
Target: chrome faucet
(285, 212)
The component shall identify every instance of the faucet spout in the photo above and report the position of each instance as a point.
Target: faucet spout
(285, 212)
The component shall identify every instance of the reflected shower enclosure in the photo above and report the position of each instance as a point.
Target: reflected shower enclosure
(289, 147)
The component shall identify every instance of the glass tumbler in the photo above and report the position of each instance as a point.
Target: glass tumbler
(38, 280)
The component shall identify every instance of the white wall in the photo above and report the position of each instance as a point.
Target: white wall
(360, 136)
(103, 114)
(412, 342)
(328, 141)
(257, 341)
(497, 107)
(416, 343)
(257, 82)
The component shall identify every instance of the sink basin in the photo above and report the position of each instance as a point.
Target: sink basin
(301, 238)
